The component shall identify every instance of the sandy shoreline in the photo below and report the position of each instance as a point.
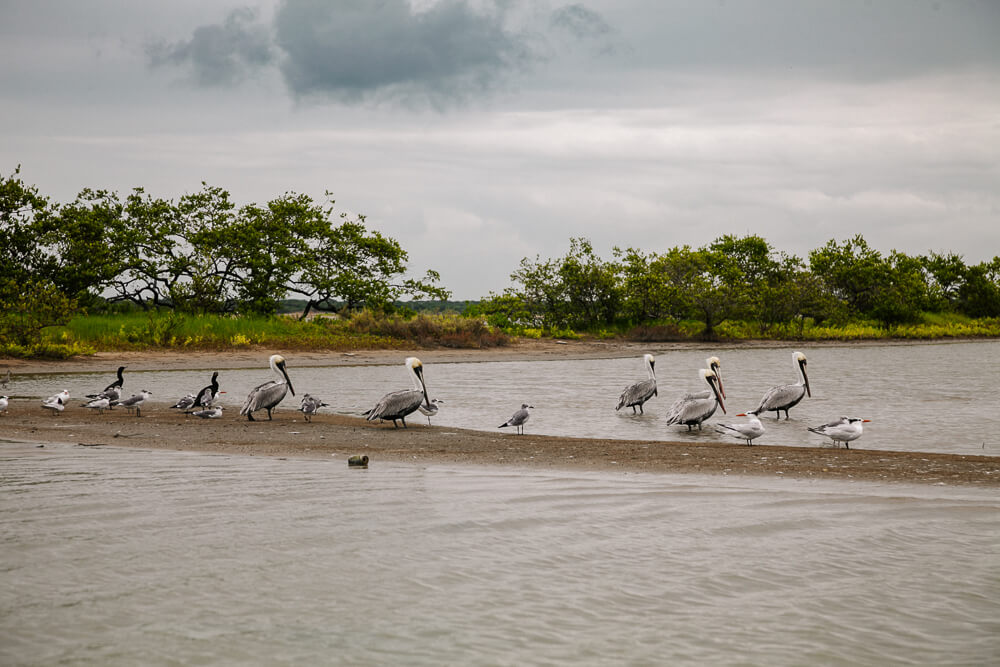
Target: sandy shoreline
(341, 436)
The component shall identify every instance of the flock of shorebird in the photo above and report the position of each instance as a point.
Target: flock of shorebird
(690, 410)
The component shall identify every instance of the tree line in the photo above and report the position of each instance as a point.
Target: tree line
(198, 254)
(741, 278)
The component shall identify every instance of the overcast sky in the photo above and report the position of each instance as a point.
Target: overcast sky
(479, 132)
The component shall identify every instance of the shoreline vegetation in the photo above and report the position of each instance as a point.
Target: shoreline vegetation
(134, 271)
(365, 330)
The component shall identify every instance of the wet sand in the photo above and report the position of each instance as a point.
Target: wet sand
(289, 435)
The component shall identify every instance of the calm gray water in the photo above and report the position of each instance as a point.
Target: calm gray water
(123, 557)
(932, 397)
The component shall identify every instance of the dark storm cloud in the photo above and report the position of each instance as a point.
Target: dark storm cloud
(222, 53)
(355, 48)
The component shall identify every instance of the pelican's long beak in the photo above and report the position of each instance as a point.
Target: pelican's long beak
(713, 382)
(281, 367)
(805, 378)
(419, 370)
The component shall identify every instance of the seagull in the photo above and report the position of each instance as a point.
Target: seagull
(134, 402)
(56, 402)
(638, 393)
(843, 430)
(113, 391)
(692, 409)
(429, 409)
(269, 394)
(99, 404)
(5, 380)
(399, 404)
(311, 405)
(518, 418)
(187, 401)
(207, 413)
(4, 402)
(749, 431)
(785, 396)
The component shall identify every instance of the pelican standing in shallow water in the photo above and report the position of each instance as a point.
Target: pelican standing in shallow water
(269, 394)
(640, 392)
(518, 418)
(786, 396)
(692, 409)
(749, 431)
(843, 430)
(399, 404)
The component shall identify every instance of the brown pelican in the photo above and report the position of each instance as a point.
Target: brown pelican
(843, 430)
(518, 418)
(398, 404)
(640, 392)
(269, 394)
(99, 404)
(311, 405)
(56, 402)
(786, 396)
(113, 391)
(207, 413)
(134, 402)
(692, 409)
(4, 402)
(430, 409)
(749, 431)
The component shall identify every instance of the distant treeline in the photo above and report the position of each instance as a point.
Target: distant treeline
(745, 279)
(199, 254)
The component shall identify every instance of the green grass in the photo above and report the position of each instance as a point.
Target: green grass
(168, 330)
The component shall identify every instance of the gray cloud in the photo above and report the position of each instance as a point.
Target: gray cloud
(356, 49)
(219, 54)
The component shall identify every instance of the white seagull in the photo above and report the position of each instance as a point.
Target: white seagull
(269, 394)
(785, 396)
(184, 402)
(56, 402)
(749, 431)
(692, 409)
(638, 393)
(4, 402)
(429, 409)
(518, 418)
(843, 430)
(99, 404)
(310, 405)
(134, 402)
(207, 413)
(399, 404)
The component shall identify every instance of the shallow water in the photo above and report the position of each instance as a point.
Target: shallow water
(120, 557)
(930, 397)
